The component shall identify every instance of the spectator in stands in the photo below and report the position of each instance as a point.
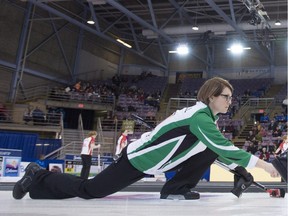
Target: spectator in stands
(141, 96)
(254, 129)
(27, 116)
(116, 80)
(283, 145)
(258, 127)
(152, 101)
(246, 145)
(4, 116)
(150, 115)
(264, 155)
(280, 117)
(148, 100)
(86, 153)
(252, 148)
(247, 92)
(131, 108)
(77, 86)
(53, 115)
(258, 144)
(264, 118)
(188, 142)
(250, 136)
(38, 116)
(120, 108)
(271, 147)
(273, 125)
(230, 129)
(263, 132)
(277, 132)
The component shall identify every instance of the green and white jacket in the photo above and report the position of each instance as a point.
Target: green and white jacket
(185, 133)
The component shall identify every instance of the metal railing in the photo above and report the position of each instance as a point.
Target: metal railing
(81, 127)
(19, 117)
(253, 105)
(179, 103)
(59, 94)
(58, 153)
(32, 94)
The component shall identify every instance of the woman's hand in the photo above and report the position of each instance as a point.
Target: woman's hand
(268, 167)
(271, 170)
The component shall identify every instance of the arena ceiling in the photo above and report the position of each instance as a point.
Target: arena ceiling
(142, 23)
(147, 25)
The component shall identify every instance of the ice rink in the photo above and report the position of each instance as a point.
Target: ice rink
(147, 204)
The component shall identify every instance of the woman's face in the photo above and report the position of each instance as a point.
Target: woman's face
(221, 103)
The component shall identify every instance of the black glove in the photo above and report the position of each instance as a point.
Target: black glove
(242, 180)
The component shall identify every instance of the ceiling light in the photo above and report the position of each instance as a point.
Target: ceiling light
(195, 28)
(182, 50)
(277, 22)
(237, 48)
(124, 43)
(90, 21)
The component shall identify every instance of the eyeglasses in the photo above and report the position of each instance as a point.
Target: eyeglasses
(227, 97)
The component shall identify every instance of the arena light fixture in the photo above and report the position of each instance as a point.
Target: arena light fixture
(277, 22)
(195, 28)
(182, 49)
(237, 48)
(90, 21)
(124, 43)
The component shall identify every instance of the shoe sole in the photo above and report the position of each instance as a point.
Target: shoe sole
(178, 197)
(19, 184)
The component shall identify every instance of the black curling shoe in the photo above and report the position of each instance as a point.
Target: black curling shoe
(190, 195)
(22, 186)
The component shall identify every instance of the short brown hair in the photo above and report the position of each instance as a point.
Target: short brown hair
(212, 87)
(92, 133)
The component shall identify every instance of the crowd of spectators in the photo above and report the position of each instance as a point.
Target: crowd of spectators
(136, 96)
(4, 114)
(135, 99)
(38, 116)
(266, 136)
(108, 91)
(101, 92)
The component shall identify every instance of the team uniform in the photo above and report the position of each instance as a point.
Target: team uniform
(86, 156)
(187, 142)
(121, 143)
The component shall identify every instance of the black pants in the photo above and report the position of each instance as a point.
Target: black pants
(189, 173)
(48, 185)
(120, 174)
(86, 165)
